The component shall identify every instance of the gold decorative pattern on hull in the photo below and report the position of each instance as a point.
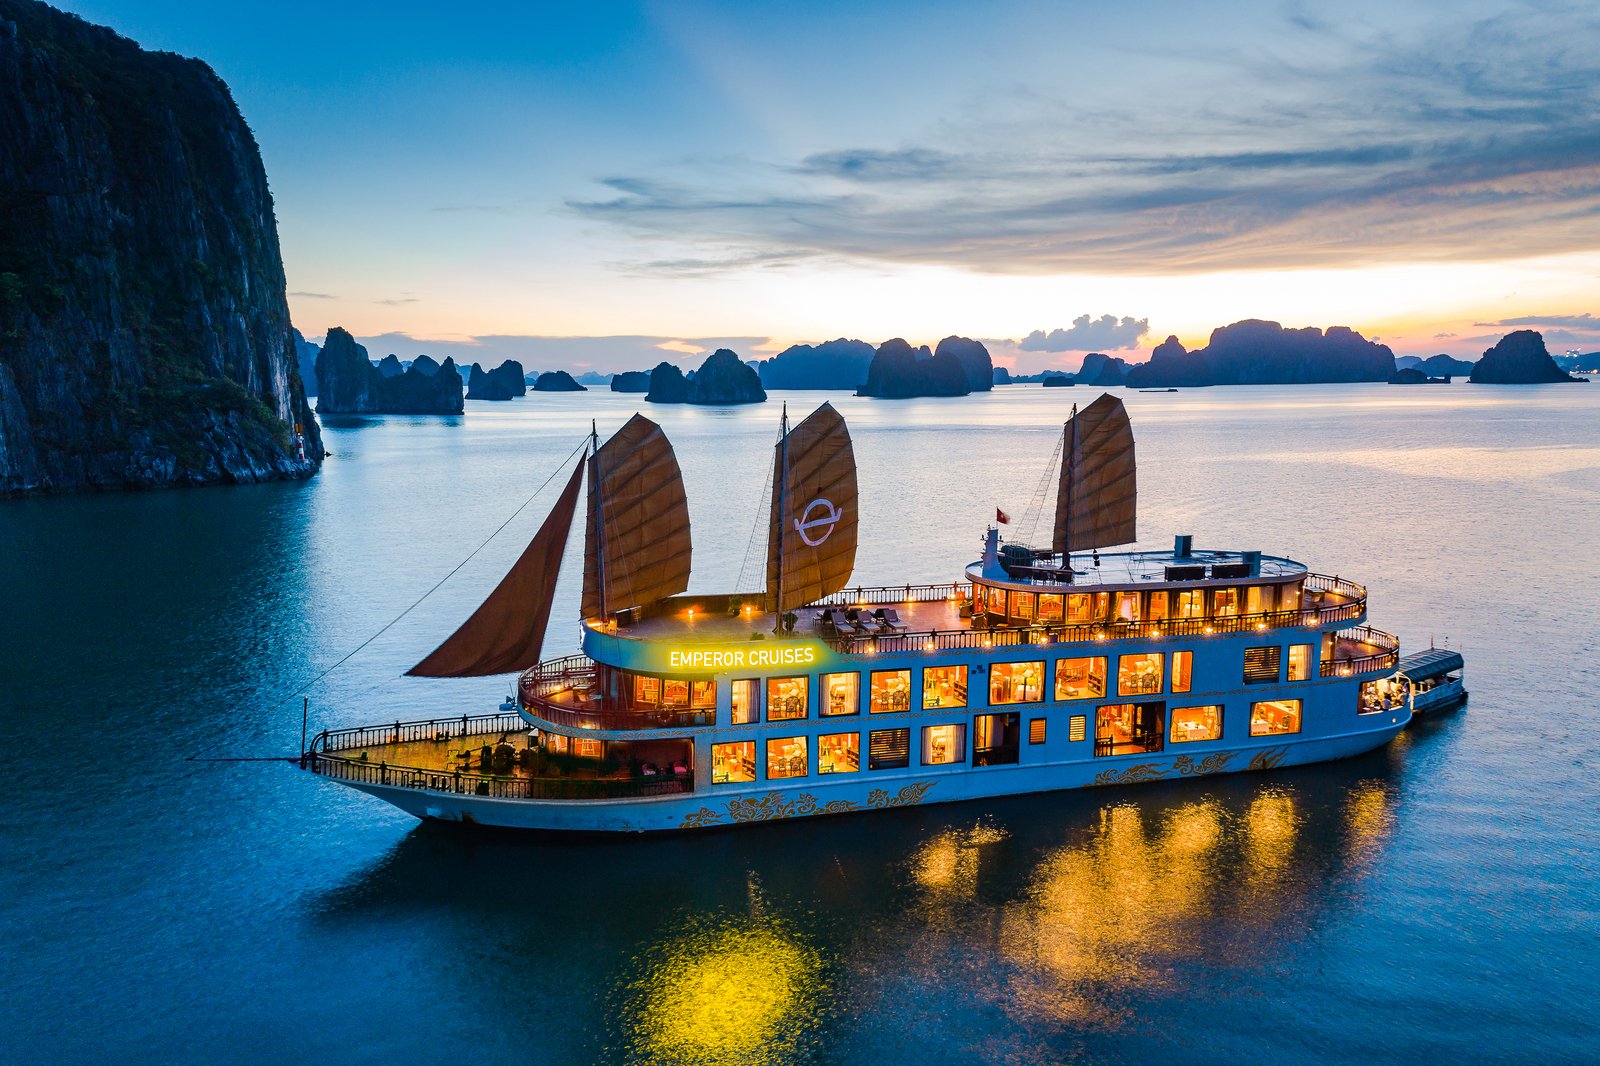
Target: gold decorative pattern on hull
(1145, 771)
(1214, 763)
(773, 806)
(1267, 760)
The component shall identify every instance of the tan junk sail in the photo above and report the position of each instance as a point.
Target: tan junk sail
(507, 631)
(811, 548)
(637, 547)
(1098, 496)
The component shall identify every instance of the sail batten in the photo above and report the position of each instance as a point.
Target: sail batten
(1097, 501)
(637, 546)
(506, 632)
(811, 542)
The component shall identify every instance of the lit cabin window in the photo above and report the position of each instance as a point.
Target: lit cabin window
(994, 739)
(1225, 603)
(786, 698)
(1140, 675)
(733, 762)
(1128, 729)
(1182, 670)
(588, 748)
(1023, 604)
(1081, 679)
(1191, 604)
(839, 753)
(1263, 666)
(786, 757)
(1016, 682)
(1257, 599)
(943, 744)
(705, 695)
(891, 691)
(744, 701)
(1102, 606)
(1379, 696)
(675, 694)
(555, 742)
(997, 600)
(889, 749)
(841, 694)
(944, 686)
(1036, 730)
(1052, 607)
(646, 691)
(1158, 607)
(1127, 607)
(1273, 717)
(1299, 662)
(1079, 610)
(1077, 727)
(1196, 723)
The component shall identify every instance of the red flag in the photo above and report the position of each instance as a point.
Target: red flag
(1001, 517)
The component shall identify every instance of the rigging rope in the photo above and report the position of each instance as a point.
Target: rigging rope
(1036, 508)
(756, 527)
(453, 570)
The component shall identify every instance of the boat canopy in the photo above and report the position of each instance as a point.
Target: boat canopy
(811, 544)
(637, 546)
(1434, 662)
(1098, 493)
(507, 630)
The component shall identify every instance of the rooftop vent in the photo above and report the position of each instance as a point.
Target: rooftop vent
(1182, 545)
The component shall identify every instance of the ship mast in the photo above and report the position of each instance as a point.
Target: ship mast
(1072, 462)
(599, 519)
(781, 488)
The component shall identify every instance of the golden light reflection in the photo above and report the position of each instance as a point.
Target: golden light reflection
(947, 865)
(1368, 817)
(734, 992)
(1270, 823)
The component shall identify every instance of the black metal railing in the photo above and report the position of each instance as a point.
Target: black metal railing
(560, 692)
(371, 736)
(495, 786)
(1385, 653)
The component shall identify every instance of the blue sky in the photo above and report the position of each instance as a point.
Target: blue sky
(495, 179)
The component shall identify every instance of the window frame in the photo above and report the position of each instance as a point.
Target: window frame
(830, 736)
(1273, 654)
(1105, 673)
(1172, 723)
(754, 776)
(872, 693)
(929, 672)
(1040, 663)
(872, 763)
(1161, 673)
(1299, 718)
(959, 748)
(825, 695)
(805, 756)
(805, 700)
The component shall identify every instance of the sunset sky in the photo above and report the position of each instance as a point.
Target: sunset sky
(603, 185)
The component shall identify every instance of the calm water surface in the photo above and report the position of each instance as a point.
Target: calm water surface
(1437, 899)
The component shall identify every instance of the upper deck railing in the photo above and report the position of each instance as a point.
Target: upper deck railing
(331, 754)
(560, 692)
(1385, 653)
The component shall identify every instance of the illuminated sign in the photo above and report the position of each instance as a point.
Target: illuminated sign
(819, 515)
(757, 658)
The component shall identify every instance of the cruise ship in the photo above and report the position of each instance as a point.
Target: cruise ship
(1035, 669)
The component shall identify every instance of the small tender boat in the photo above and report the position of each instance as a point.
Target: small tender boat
(1045, 668)
(1433, 680)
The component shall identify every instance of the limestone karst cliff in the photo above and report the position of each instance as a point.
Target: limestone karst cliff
(144, 331)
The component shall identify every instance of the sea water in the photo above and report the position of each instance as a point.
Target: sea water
(1435, 900)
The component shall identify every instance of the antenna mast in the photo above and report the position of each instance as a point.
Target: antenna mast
(781, 488)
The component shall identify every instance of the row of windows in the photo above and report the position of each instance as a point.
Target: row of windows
(1131, 605)
(944, 687)
(1120, 729)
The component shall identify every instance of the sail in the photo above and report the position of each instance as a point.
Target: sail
(811, 547)
(1098, 495)
(637, 547)
(506, 632)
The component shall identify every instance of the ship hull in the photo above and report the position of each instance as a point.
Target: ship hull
(863, 792)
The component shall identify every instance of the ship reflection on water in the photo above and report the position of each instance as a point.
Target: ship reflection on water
(1022, 929)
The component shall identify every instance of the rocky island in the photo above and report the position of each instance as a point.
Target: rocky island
(1256, 352)
(144, 328)
(723, 378)
(835, 364)
(631, 381)
(349, 383)
(504, 382)
(1519, 358)
(557, 381)
(899, 371)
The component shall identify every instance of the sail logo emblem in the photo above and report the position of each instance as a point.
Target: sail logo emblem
(819, 514)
